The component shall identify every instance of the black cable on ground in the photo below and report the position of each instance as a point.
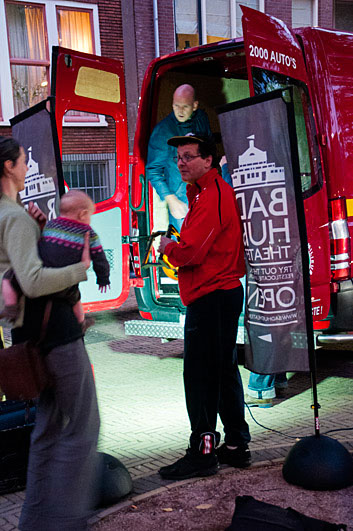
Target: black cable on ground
(285, 434)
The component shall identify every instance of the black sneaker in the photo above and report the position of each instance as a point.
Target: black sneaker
(240, 457)
(193, 464)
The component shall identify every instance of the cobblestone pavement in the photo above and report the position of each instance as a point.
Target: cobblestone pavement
(144, 420)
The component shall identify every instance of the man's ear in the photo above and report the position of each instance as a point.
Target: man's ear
(209, 160)
(195, 105)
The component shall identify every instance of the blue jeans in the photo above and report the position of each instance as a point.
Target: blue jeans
(263, 385)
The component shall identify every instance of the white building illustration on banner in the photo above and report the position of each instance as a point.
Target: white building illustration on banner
(254, 169)
(37, 185)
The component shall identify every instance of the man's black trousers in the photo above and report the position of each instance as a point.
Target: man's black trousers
(211, 375)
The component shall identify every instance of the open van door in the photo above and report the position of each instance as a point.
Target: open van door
(91, 121)
(275, 60)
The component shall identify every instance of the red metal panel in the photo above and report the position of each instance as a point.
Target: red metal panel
(68, 65)
(331, 76)
(271, 45)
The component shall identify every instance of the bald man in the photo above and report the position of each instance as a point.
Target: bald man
(161, 169)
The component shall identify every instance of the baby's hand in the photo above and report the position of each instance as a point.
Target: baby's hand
(36, 213)
(103, 289)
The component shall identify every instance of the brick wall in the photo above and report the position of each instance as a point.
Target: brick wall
(89, 139)
(139, 42)
(111, 30)
(282, 10)
(144, 32)
(326, 13)
(5, 131)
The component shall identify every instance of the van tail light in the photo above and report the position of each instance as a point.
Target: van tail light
(339, 240)
(136, 259)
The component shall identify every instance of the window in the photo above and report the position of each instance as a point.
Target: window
(308, 150)
(186, 23)
(303, 13)
(218, 20)
(28, 50)
(91, 173)
(89, 159)
(28, 30)
(75, 29)
(204, 21)
(344, 15)
(254, 4)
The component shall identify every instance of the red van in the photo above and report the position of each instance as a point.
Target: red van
(317, 63)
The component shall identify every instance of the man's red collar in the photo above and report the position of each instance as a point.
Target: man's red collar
(202, 182)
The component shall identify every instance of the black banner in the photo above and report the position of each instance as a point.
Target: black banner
(35, 130)
(260, 145)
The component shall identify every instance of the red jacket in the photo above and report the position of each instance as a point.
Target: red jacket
(210, 254)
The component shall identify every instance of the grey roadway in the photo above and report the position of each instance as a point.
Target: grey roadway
(144, 421)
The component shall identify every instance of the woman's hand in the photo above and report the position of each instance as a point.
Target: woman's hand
(36, 213)
(86, 256)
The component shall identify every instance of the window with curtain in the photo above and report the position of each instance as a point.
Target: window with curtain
(218, 24)
(75, 31)
(302, 13)
(344, 15)
(186, 23)
(254, 4)
(29, 58)
(218, 16)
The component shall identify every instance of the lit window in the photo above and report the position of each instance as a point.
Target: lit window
(218, 19)
(29, 59)
(75, 29)
(186, 22)
(28, 31)
(75, 32)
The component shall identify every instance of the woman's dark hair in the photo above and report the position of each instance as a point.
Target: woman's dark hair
(9, 150)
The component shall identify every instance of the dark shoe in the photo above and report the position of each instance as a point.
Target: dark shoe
(281, 392)
(193, 464)
(281, 389)
(240, 457)
(259, 402)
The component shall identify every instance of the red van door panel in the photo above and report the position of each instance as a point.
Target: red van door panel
(272, 47)
(90, 111)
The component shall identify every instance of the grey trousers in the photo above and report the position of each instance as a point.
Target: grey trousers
(62, 460)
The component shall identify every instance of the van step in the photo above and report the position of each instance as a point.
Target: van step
(164, 330)
(343, 340)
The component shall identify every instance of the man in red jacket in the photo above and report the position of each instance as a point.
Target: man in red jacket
(210, 257)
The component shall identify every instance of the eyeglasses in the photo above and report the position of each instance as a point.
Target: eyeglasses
(185, 158)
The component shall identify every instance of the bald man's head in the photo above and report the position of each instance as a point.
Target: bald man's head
(184, 103)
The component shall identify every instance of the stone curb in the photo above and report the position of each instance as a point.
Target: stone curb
(140, 497)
